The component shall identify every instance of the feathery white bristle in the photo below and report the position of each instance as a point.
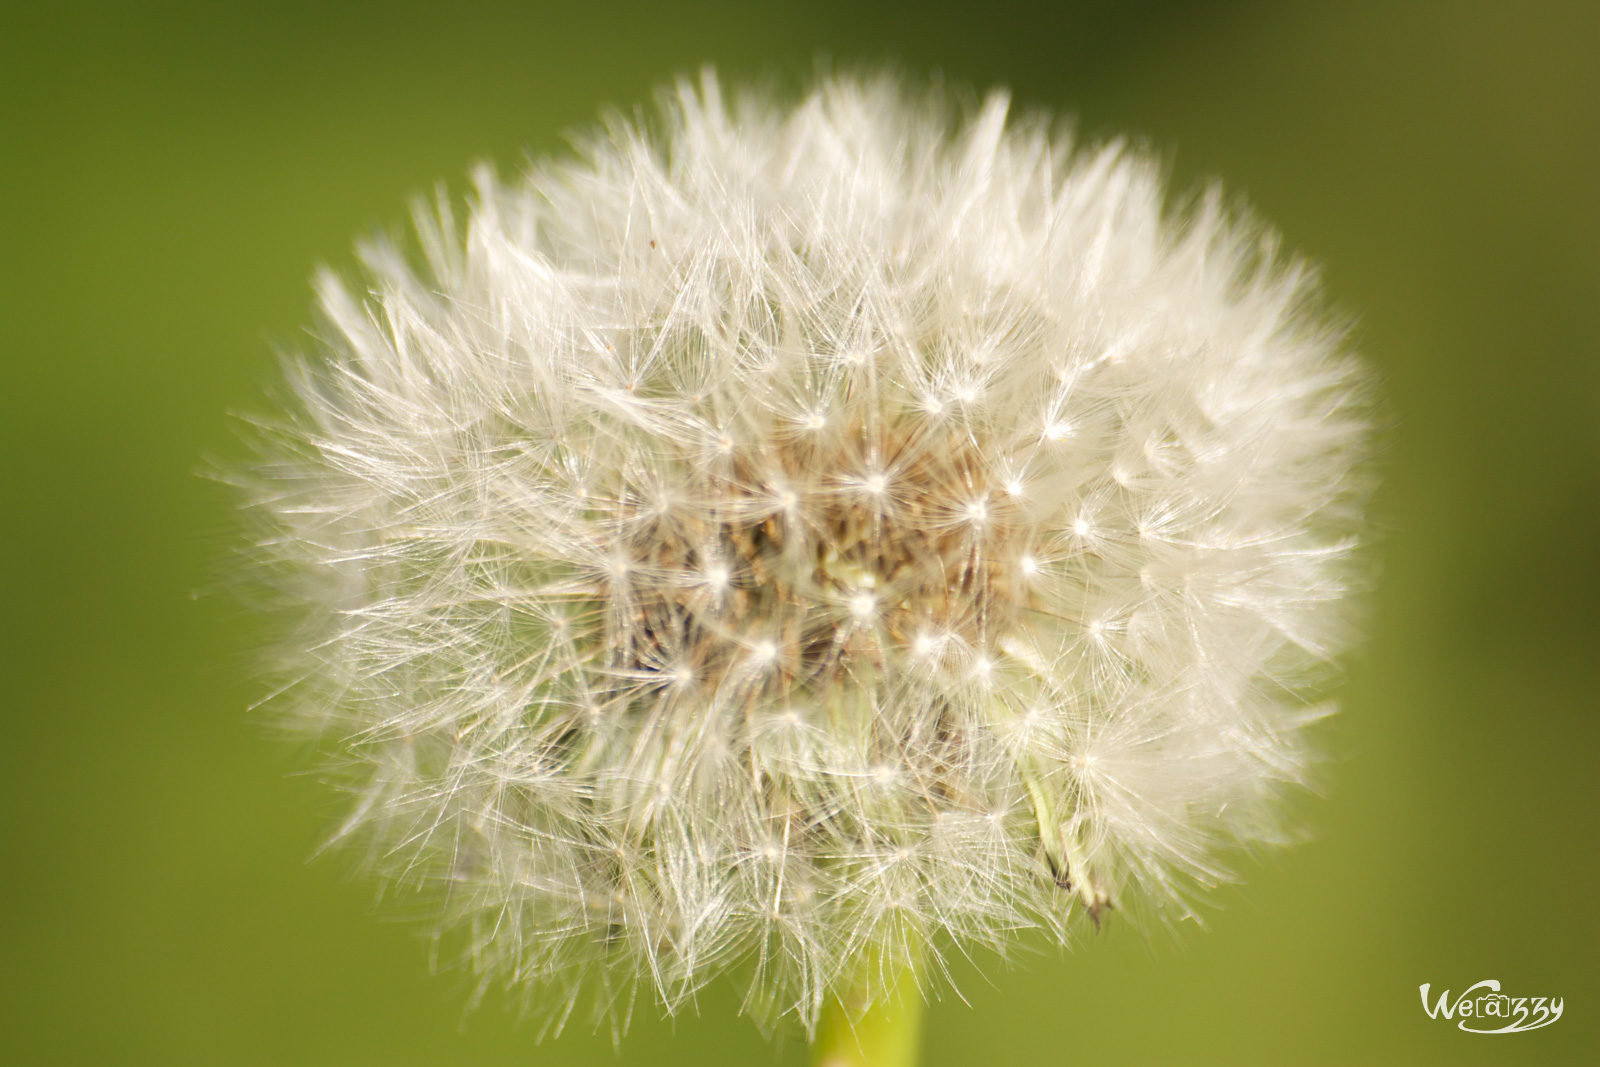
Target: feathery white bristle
(807, 532)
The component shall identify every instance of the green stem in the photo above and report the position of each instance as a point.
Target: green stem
(857, 1032)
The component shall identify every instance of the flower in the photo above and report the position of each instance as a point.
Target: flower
(793, 537)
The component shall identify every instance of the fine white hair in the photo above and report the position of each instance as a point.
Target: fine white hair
(781, 537)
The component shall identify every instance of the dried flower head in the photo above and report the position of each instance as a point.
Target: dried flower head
(789, 536)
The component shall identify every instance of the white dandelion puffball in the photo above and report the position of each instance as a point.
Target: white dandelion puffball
(778, 538)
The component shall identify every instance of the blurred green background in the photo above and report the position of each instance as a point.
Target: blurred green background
(171, 177)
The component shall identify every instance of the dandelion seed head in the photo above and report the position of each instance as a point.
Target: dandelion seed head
(784, 534)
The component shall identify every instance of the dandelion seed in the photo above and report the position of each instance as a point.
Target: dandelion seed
(579, 511)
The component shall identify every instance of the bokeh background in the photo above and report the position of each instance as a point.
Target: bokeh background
(169, 178)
